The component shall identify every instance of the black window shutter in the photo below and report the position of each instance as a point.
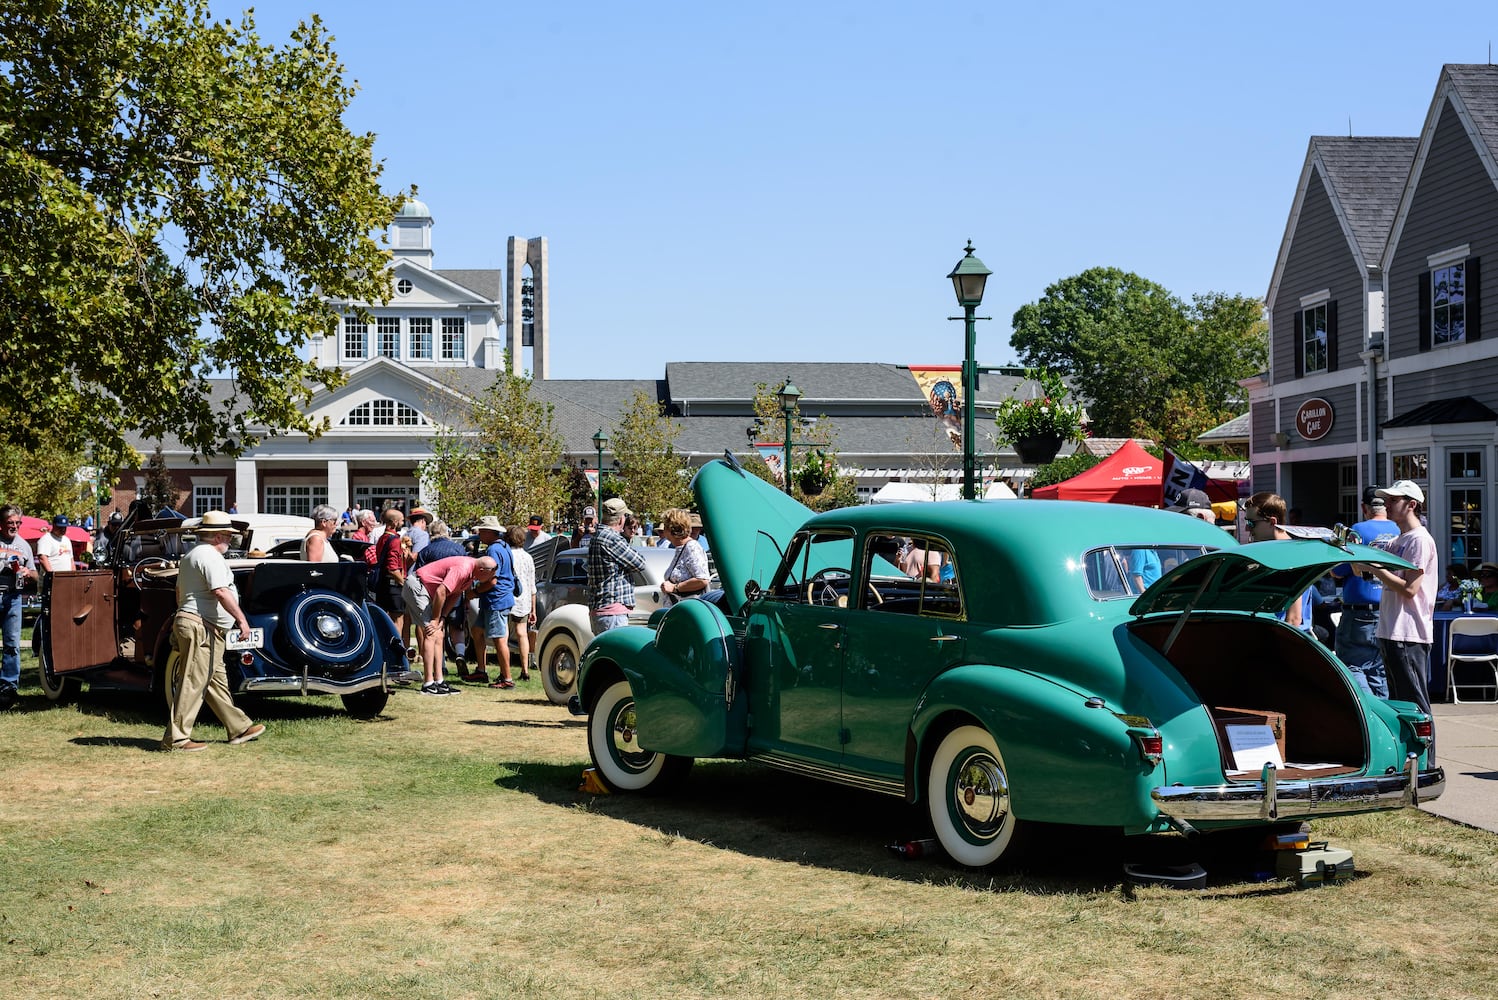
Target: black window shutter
(1474, 299)
(1423, 305)
(1331, 336)
(1298, 342)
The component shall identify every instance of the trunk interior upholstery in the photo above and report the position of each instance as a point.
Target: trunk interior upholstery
(1257, 663)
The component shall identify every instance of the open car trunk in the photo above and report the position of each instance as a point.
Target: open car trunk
(1250, 669)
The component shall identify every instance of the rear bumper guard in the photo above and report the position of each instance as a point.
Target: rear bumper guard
(1268, 798)
(306, 683)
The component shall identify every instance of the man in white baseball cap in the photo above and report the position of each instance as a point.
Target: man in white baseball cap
(1408, 601)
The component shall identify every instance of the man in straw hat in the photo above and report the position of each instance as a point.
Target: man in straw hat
(207, 605)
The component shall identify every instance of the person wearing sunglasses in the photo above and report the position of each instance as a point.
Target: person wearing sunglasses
(1356, 640)
(17, 573)
(687, 576)
(1264, 514)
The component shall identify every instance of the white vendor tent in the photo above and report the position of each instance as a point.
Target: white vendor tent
(904, 492)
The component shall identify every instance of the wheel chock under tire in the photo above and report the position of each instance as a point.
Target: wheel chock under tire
(592, 783)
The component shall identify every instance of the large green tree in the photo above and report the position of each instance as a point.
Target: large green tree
(499, 456)
(1146, 364)
(652, 476)
(177, 199)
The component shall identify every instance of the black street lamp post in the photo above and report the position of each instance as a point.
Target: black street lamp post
(968, 279)
(600, 441)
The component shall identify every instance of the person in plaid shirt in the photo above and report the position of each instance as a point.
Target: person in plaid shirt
(611, 593)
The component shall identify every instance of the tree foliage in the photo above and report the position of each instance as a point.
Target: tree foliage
(652, 476)
(1062, 469)
(813, 441)
(1147, 364)
(177, 198)
(44, 482)
(160, 491)
(500, 457)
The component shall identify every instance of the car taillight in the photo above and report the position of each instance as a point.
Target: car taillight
(246, 658)
(1423, 730)
(1151, 746)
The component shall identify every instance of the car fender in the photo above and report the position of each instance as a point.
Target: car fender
(685, 676)
(572, 618)
(1068, 760)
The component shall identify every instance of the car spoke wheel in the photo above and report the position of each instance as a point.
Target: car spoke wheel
(559, 668)
(613, 743)
(968, 798)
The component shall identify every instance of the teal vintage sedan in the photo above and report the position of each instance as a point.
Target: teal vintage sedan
(1020, 672)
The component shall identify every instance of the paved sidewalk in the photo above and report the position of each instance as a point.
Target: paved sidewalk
(1467, 747)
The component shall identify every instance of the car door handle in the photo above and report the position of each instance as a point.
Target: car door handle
(829, 625)
(945, 638)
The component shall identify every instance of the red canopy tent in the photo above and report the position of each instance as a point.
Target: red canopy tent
(1129, 475)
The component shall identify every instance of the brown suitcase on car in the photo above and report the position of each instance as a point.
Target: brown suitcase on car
(1223, 717)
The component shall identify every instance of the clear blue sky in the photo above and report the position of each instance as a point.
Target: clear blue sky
(793, 181)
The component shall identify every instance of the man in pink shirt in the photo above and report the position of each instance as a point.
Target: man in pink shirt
(431, 592)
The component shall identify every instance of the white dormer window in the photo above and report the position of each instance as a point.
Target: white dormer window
(383, 413)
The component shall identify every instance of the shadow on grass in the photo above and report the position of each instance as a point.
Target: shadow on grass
(150, 706)
(566, 722)
(118, 742)
(759, 812)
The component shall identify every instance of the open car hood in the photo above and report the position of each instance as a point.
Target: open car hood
(748, 522)
(1256, 577)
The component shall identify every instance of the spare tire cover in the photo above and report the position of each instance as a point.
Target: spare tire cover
(324, 628)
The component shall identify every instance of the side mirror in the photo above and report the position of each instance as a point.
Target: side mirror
(752, 592)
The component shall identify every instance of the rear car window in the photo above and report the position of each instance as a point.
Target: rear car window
(1117, 571)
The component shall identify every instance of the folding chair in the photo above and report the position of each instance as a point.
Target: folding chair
(1472, 642)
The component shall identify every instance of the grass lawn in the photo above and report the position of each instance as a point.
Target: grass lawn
(444, 851)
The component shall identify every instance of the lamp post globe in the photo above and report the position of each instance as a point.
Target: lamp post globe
(969, 278)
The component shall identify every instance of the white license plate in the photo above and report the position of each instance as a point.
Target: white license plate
(255, 641)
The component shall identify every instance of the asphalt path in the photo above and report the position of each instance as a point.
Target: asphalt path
(1467, 747)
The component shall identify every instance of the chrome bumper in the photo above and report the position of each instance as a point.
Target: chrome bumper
(308, 684)
(1270, 799)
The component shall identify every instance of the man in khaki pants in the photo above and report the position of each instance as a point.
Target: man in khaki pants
(207, 604)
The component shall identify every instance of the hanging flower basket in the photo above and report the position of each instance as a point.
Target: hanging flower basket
(816, 475)
(1036, 426)
(1037, 449)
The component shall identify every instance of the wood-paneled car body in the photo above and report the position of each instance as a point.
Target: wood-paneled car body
(1024, 678)
(111, 625)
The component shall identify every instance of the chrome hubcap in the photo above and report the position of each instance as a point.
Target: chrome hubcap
(980, 794)
(328, 627)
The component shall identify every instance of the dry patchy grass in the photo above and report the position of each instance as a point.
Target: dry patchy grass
(444, 851)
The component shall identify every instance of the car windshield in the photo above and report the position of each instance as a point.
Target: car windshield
(829, 553)
(1127, 570)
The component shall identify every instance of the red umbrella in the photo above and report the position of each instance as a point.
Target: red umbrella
(33, 528)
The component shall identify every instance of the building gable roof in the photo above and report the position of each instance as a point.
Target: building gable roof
(1363, 178)
(1472, 93)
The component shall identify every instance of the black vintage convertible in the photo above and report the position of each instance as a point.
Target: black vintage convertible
(320, 634)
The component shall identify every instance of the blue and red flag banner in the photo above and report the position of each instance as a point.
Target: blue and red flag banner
(1177, 475)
